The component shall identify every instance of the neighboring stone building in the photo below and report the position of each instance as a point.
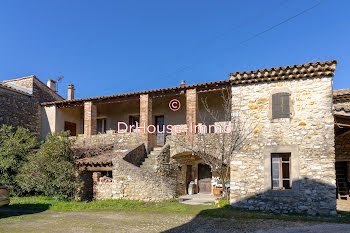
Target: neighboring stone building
(20, 102)
(287, 165)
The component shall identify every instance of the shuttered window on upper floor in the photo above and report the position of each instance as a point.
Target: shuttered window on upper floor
(280, 105)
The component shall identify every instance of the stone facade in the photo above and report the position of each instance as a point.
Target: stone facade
(20, 102)
(308, 135)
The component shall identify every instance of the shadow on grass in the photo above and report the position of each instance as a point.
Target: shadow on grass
(219, 219)
(22, 209)
(308, 200)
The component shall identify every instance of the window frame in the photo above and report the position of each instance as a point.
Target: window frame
(280, 178)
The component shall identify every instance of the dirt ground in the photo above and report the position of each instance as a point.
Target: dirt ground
(130, 221)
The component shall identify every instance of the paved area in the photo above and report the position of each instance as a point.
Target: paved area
(197, 199)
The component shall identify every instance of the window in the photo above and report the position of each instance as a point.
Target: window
(280, 169)
(280, 105)
(101, 125)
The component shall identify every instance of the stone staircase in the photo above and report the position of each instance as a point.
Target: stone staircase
(150, 162)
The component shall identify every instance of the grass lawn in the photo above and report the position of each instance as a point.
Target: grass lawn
(40, 204)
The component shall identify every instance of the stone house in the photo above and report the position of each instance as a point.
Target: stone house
(297, 159)
(20, 101)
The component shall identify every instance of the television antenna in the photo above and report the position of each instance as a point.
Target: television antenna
(57, 80)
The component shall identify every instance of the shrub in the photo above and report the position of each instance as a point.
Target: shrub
(50, 171)
(15, 145)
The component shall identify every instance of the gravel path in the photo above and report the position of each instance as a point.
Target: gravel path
(152, 222)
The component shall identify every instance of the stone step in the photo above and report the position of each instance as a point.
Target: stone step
(149, 168)
(149, 163)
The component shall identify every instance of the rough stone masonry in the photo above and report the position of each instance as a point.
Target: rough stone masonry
(308, 135)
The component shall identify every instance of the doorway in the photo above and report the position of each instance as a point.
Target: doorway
(71, 127)
(160, 130)
(204, 178)
(101, 125)
(342, 180)
(189, 177)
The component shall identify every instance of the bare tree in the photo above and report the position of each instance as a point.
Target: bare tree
(217, 145)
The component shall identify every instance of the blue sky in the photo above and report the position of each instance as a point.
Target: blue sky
(109, 47)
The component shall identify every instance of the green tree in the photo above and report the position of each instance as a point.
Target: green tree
(15, 145)
(51, 170)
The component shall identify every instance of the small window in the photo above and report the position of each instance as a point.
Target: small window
(280, 105)
(280, 171)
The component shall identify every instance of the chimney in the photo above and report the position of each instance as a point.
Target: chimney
(182, 84)
(70, 91)
(51, 84)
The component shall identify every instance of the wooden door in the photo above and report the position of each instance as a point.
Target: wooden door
(204, 178)
(204, 186)
(70, 126)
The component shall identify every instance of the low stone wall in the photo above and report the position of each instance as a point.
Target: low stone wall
(133, 183)
(103, 189)
(121, 141)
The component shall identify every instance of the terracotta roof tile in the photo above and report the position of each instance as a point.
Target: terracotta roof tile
(341, 96)
(308, 70)
(342, 107)
(342, 92)
(103, 159)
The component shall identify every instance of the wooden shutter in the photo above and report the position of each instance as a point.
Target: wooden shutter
(280, 105)
(285, 105)
(276, 106)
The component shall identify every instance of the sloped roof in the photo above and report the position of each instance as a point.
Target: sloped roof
(34, 77)
(342, 107)
(103, 159)
(11, 88)
(345, 91)
(309, 70)
(342, 95)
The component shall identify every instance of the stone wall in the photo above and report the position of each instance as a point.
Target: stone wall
(18, 109)
(133, 183)
(308, 135)
(135, 155)
(122, 142)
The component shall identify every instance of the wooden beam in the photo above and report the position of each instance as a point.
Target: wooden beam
(343, 125)
(344, 134)
(95, 169)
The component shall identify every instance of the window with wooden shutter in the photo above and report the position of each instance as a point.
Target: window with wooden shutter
(280, 105)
